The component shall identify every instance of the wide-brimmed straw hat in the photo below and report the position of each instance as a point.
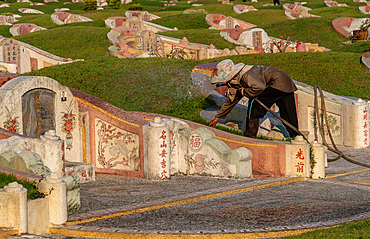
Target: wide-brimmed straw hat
(226, 70)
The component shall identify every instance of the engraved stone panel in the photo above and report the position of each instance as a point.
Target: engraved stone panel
(115, 147)
(38, 110)
(11, 51)
(257, 38)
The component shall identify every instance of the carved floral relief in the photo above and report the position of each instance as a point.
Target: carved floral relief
(116, 148)
(68, 124)
(201, 163)
(11, 124)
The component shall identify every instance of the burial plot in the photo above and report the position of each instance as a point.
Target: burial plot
(20, 29)
(19, 57)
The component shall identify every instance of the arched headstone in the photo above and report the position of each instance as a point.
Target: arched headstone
(38, 112)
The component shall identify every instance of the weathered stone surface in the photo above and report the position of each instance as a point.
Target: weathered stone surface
(73, 192)
(206, 155)
(13, 207)
(31, 158)
(4, 163)
(17, 163)
(39, 169)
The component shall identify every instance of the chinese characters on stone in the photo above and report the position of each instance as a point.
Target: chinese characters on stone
(195, 141)
(300, 164)
(163, 154)
(364, 125)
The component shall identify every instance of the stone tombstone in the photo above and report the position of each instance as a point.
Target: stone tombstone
(38, 112)
(202, 54)
(254, 37)
(10, 51)
(229, 22)
(147, 41)
(32, 105)
(257, 38)
(145, 16)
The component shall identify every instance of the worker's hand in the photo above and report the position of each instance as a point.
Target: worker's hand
(213, 122)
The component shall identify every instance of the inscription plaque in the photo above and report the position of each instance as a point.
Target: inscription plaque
(257, 38)
(38, 112)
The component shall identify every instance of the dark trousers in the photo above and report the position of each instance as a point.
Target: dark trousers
(285, 102)
(276, 2)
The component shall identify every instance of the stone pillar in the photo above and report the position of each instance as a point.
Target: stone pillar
(356, 124)
(156, 150)
(297, 158)
(54, 153)
(319, 151)
(13, 207)
(56, 190)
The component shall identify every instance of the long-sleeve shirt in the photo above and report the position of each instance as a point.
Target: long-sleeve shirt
(254, 82)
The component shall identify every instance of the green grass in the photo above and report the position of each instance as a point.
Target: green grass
(166, 83)
(183, 21)
(72, 41)
(358, 230)
(32, 191)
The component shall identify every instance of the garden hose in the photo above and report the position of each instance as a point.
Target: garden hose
(322, 130)
(320, 126)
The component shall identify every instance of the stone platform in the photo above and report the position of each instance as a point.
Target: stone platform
(120, 207)
(204, 207)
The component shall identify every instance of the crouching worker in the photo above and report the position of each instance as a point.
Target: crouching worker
(266, 83)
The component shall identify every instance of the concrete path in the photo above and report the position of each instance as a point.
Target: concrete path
(201, 207)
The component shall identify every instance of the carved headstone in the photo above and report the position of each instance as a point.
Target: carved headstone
(257, 38)
(38, 112)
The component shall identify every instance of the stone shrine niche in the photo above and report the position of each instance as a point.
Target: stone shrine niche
(38, 110)
(11, 51)
(257, 38)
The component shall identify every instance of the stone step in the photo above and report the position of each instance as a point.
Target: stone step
(84, 171)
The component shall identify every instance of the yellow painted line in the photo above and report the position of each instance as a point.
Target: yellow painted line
(362, 183)
(8, 233)
(171, 204)
(353, 172)
(147, 119)
(247, 144)
(94, 234)
(107, 113)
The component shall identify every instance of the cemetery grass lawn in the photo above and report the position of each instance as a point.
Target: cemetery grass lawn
(66, 41)
(149, 85)
(183, 21)
(359, 229)
(164, 85)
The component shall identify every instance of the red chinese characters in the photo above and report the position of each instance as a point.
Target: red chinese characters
(195, 141)
(365, 126)
(163, 154)
(300, 165)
